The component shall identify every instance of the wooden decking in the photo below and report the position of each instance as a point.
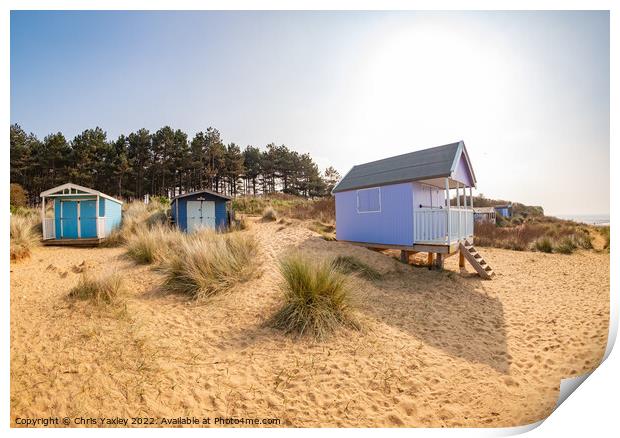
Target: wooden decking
(438, 248)
(73, 242)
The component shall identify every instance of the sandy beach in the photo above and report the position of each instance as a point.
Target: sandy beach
(438, 349)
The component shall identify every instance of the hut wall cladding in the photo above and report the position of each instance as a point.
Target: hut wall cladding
(112, 211)
(221, 219)
(393, 225)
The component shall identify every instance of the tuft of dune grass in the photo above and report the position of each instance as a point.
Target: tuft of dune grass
(242, 224)
(269, 214)
(149, 245)
(353, 265)
(327, 231)
(605, 233)
(23, 236)
(137, 216)
(566, 245)
(104, 289)
(317, 298)
(207, 263)
(543, 244)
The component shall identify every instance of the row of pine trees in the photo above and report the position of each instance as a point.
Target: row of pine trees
(162, 163)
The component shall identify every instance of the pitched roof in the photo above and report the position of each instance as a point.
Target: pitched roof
(484, 210)
(69, 186)
(437, 162)
(210, 192)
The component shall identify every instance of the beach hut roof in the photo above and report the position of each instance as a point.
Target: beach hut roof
(437, 162)
(75, 189)
(484, 210)
(210, 192)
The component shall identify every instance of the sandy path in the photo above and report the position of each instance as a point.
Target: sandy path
(437, 349)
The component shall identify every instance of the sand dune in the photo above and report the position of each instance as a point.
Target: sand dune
(437, 348)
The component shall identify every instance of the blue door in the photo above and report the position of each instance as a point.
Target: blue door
(88, 219)
(68, 219)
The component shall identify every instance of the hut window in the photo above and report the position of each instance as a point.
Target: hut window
(369, 200)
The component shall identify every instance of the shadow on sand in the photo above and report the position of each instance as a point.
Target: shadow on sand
(446, 311)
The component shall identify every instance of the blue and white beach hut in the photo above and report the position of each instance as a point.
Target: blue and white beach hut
(201, 209)
(81, 215)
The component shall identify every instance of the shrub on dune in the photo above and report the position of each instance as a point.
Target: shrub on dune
(543, 244)
(23, 236)
(353, 265)
(565, 246)
(317, 298)
(206, 263)
(104, 289)
(604, 232)
(269, 214)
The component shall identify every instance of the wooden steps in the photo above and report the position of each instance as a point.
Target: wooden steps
(469, 252)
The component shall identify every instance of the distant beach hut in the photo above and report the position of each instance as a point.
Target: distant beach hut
(484, 214)
(81, 216)
(402, 202)
(504, 210)
(201, 209)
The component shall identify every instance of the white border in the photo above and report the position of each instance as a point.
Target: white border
(593, 412)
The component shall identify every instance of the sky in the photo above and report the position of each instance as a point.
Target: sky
(528, 92)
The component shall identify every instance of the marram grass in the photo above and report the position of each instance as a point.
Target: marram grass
(317, 298)
(353, 265)
(104, 289)
(23, 236)
(207, 263)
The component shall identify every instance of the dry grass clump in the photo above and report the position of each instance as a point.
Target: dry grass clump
(241, 224)
(326, 230)
(322, 209)
(565, 246)
(543, 244)
(150, 245)
(605, 232)
(536, 236)
(206, 263)
(269, 214)
(317, 298)
(104, 289)
(137, 216)
(23, 236)
(353, 265)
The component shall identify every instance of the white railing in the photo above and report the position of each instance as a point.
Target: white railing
(101, 231)
(461, 223)
(49, 228)
(431, 224)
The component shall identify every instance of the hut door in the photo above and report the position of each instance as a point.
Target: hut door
(88, 219)
(208, 214)
(200, 214)
(68, 219)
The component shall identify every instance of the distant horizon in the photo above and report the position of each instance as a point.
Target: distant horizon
(528, 92)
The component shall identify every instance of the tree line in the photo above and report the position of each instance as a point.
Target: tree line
(162, 163)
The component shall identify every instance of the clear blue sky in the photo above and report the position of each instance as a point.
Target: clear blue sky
(528, 92)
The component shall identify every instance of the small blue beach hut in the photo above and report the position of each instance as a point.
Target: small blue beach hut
(201, 209)
(80, 215)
